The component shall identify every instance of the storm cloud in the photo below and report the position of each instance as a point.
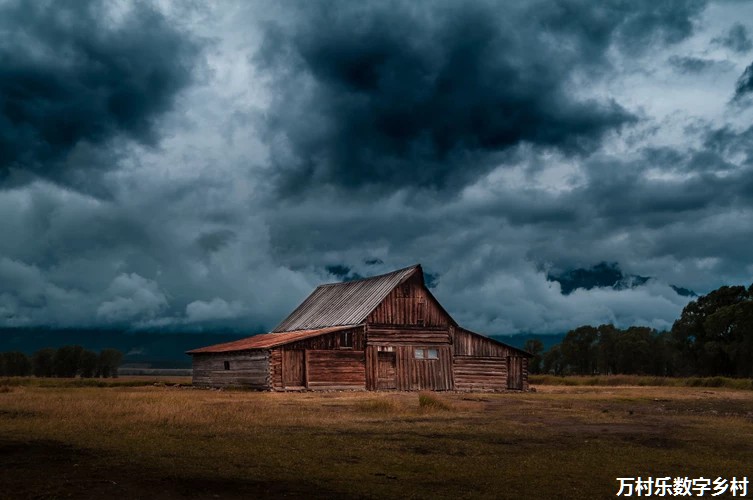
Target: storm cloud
(394, 94)
(79, 73)
(253, 150)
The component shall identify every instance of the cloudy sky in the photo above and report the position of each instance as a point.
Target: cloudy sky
(205, 165)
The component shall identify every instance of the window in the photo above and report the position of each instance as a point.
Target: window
(346, 340)
(227, 365)
(421, 353)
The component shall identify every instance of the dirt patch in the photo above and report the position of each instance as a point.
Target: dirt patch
(47, 469)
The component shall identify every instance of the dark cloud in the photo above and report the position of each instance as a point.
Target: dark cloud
(690, 65)
(389, 94)
(744, 83)
(81, 72)
(736, 39)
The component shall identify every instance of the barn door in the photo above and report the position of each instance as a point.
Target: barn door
(514, 373)
(293, 369)
(386, 373)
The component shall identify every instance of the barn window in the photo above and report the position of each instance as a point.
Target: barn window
(406, 290)
(346, 340)
(227, 365)
(421, 353)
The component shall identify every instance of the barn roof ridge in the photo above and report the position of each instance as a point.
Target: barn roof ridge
(366, 278)
(345, 303)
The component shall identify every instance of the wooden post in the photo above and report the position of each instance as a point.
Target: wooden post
(306, 368)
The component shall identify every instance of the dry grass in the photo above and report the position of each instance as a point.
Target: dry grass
(642, 381)
(173, 442)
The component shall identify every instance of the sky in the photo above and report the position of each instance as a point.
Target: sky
(205, 165)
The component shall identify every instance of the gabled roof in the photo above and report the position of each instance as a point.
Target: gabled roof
(348, 303)
(266, 340)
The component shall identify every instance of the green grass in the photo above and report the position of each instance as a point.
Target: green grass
(641, 381)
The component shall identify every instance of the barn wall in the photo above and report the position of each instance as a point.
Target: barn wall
(479, 373)
(335, 369)
(386, 335)
(409, 304)
(321, 362)
(247, 368)
(466, 343)
(406, 372)
(332, 340)
(482, 364)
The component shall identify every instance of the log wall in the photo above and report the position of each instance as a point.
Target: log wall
(479, 373)
(335, 369)
(322, 362)
(247, 368)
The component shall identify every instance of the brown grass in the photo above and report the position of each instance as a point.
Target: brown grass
(174, 442)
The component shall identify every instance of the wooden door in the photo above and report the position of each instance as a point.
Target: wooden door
(293, 369)
(386, 373)
(514, 373)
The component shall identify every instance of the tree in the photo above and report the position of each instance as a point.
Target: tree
(88, 363)
(43, 363)
(66, 360)
(16, 364)
(552, 361)
(108, 362)
(579, 350)
(713, 334)
(535, 347)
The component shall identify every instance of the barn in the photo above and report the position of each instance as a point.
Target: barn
(385, 332)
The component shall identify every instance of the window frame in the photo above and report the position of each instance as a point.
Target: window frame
(226, 365)
(346, 340)
(425, 353)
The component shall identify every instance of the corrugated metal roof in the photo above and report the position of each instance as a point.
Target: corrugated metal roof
(267, 340)
(347, 303)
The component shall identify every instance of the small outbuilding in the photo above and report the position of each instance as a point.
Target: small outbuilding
(385, 332)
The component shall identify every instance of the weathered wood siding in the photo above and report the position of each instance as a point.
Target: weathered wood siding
(413, 335)
(335, 369)
(410, 374)
(247, 368)
(479, 373)
(409, 304)
(467, 343)
(480, 363)
(322, 362)
(333, 340)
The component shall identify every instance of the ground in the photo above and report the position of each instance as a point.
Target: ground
(58, 440)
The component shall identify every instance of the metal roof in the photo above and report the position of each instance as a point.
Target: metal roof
(267, 340)
(348, 303)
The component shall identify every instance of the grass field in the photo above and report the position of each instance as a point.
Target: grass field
(134, 439)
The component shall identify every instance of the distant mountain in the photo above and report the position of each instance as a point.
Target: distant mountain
(144, 349)
(604, 275)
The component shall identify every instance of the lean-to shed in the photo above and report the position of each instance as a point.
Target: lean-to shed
(385, 332)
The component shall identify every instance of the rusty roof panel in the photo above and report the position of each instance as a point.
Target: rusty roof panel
(267, 340)
(347, 303)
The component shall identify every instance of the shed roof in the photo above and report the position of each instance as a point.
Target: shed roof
(347, 303)
(267, 340)
(498, 342)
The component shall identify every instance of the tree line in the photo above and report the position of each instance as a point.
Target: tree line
(712, 337)
(67, 361)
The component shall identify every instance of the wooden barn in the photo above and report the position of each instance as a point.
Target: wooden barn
(386, 332)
